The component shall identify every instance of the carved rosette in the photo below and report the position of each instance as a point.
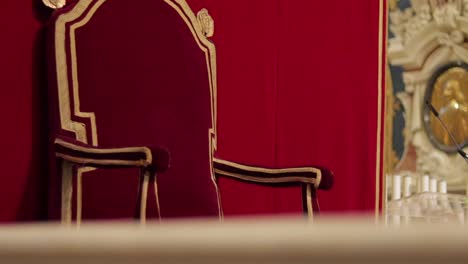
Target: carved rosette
(206, 22)
(54, 4)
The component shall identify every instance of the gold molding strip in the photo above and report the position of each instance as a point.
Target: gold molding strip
(379, 109)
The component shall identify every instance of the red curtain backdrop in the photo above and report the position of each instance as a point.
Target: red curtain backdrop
(23, 135)
(297, 85)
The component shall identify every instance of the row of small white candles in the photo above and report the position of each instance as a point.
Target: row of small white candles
(426, 184)
(430, 206)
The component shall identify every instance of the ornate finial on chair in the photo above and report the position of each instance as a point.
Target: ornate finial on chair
(54, 4)
(393, 4)
(206, 22)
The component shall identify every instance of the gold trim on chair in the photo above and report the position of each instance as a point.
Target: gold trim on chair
(62, 68)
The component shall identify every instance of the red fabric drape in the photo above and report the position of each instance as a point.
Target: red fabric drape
(23, 135)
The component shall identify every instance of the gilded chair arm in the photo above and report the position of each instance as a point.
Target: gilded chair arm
(156, 159)
(320, 177)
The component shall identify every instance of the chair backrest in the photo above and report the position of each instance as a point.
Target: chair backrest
(139, 73)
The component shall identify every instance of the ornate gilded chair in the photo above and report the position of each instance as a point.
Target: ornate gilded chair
(134, 86)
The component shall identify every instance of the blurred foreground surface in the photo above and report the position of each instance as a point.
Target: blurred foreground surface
(287, 240)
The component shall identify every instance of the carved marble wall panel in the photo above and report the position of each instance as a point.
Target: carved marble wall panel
(429, 41)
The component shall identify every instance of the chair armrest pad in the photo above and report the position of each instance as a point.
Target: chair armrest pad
(321, 178)
(154, 158)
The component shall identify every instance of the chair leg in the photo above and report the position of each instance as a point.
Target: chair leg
(155, 183)
(307, 200)
(67, 192)
(79, 191)
(138, 200)
(143, 195)
(315, 202)
(79, 197)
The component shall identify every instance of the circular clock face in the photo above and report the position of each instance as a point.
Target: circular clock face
(448, 93)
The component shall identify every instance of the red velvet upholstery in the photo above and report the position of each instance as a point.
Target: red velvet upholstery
(137, 74)
(147, 83)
